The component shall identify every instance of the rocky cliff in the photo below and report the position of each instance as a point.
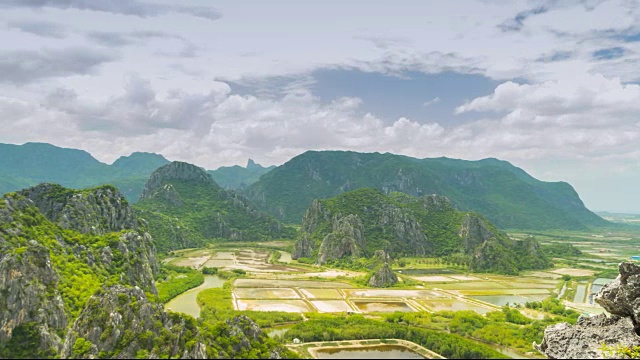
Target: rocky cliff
(383, 276)
(358, 223)
(345, 239)
(76, 285)
(183, 193)
(177, 170)
(95, 211)
(601, 336)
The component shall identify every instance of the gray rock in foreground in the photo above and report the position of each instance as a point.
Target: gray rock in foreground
(585, 340)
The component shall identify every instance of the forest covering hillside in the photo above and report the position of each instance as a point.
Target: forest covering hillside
(504, 194)
(358, 223)
(78, 281)
(184, 207)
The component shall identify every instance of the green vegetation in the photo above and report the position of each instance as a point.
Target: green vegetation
(216, 305)
(33, 163)
(507, 327)
(24, 344)
(323, 327)
(554, 306)
(189, 213)
(621, 351)
(561, 250)
(209, 270)
(77, 281)
(438, 221)
(175, 280)
(505, 194)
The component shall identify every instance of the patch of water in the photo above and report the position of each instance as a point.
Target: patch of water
(501, 300)
(186, 302)
(580, 292)
(377, 352)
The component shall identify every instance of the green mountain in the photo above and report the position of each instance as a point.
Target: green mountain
(361, 223)
(238, 177)
(184, 207)
(78, 281)
(27, 165)
(505, 194)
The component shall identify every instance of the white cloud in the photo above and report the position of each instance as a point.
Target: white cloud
(435, 100)
(69, 89)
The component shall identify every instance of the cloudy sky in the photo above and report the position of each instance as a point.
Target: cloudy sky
(551, 86)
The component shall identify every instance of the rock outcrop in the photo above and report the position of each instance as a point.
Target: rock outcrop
(30, 279)
(94, 211)
(473, 232)
(119, 322)
(176, 170)
(585, 340)
(188, 195)
(360, 222)
(24, 280)
(383, 277)
(69, 290)
(622, 296)
(346, 239)
(303, 247)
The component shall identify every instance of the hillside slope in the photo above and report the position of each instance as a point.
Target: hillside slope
(30, 164)
(185, 207)
(77, 281)
(359, 223)
(505, 194)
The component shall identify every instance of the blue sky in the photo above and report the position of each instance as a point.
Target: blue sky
(551, 86)
(411, 94)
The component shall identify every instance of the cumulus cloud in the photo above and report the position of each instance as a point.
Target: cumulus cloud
(595, 117)
(122, 7)
(24, 66)
(138, 109)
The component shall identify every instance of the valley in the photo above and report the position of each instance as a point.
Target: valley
(426, 285)
(366, 272)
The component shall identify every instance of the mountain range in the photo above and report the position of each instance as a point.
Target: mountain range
(506, 195)
(26, 165)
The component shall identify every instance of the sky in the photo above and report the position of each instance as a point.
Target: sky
(550, 86)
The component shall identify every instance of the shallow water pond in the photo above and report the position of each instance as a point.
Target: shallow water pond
(376, 352)
(455, 305)
(186, 302)
(382, 306)
(285, 257)
(580, 292)
(501, 300)
(273, 305)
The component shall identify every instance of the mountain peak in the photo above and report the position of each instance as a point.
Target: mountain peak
(140, 160)
(177, 170)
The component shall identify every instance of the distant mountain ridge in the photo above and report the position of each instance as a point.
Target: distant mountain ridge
(26, 165)
(506, 195)
(238, 177)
